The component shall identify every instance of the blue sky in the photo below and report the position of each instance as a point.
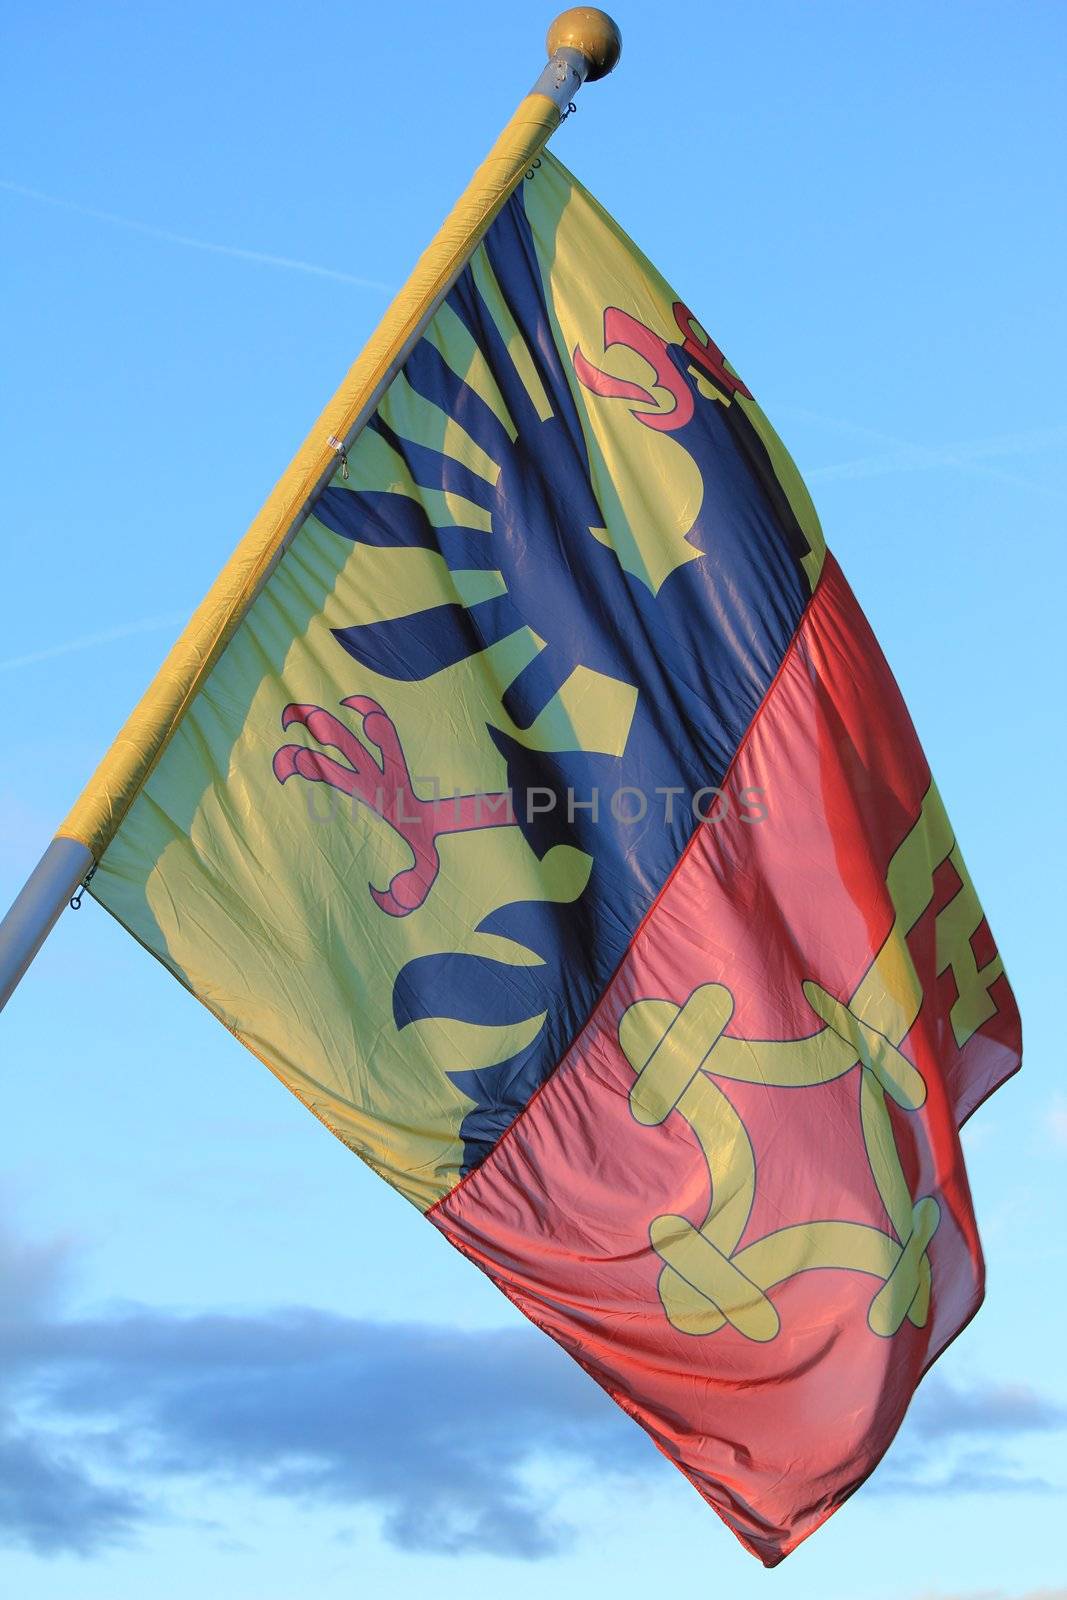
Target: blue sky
(230, 1357)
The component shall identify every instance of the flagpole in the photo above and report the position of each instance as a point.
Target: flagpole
(583, 44)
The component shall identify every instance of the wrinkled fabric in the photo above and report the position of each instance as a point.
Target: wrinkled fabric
(552, 827)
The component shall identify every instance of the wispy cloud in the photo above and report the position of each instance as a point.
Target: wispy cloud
(896, 455)
(976, 1472)
(262, 258)
(955, 1441)
(437, 1431)
(50, 1505)
(89, 641)
(944, 1410)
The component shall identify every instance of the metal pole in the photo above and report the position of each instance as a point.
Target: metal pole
(36, 910)
(583, 44)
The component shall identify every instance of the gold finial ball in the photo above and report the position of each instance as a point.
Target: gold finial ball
(591, 32)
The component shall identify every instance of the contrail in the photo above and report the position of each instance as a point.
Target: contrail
(87, 642)
(902, 456)
(260, 257)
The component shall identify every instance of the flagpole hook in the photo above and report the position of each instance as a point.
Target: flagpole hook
(341, 449)
(76, 897)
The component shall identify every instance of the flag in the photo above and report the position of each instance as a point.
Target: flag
(552, 826)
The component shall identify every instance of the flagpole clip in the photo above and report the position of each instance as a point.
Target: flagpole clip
(342, 450)
(76, 897)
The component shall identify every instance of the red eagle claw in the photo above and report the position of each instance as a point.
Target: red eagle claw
(384, 785)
